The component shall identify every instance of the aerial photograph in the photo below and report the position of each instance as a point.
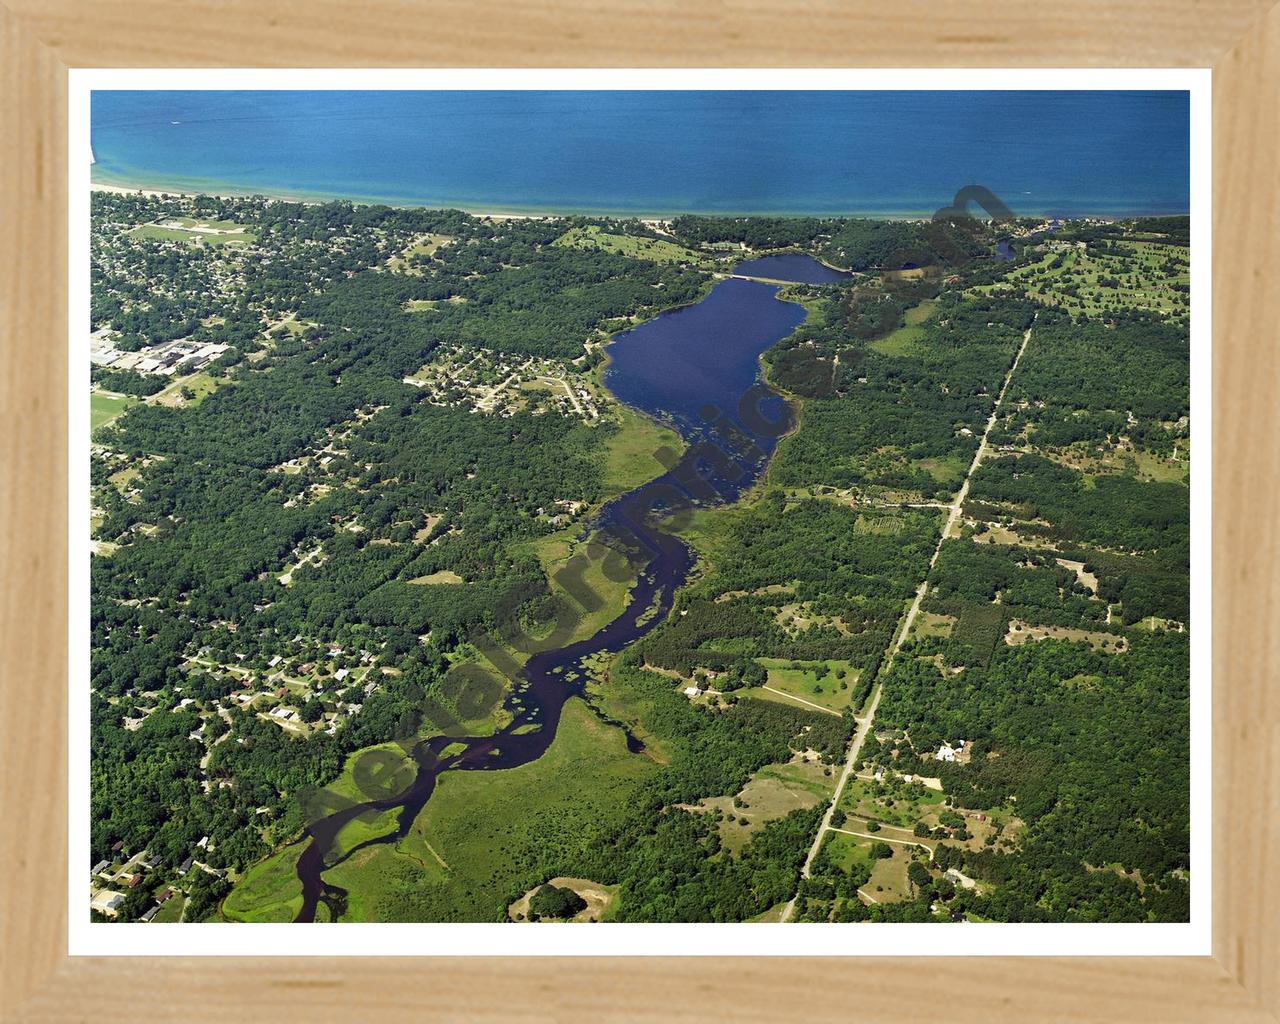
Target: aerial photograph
(639, 506)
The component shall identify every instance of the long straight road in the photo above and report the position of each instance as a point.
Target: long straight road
(867, 721)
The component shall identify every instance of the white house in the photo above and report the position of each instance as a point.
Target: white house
(107, 902)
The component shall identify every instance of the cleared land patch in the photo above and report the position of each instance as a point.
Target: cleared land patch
(424, 246)
(195, 233)
(772, 792)
(1099, 278)
(104, 406)
(438, 577)
(597, 895)
(817, 682)
(1020, 633)
(659, 250)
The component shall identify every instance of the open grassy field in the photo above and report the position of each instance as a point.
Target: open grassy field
(565, 560)
(848, 852)
(1020, 632)
(771, 916)
(888, 875)
(889, 882)
(170, 911)
(360, 829)
(771, 793)
(497, 716)
(594, 239)
(898, 805)
(930, 624)
(892, 802)
(364, 778)
(436, 578)
(215, 237)
(426, 245)
(1095, 460)
(426, 305)
(1154, 623)
(1091, 281)
(201, 385)
(950, 469)
(479, 842)
(707, 529)
(269, 890)
(629, 458)
(812, 681)
(1152, 468)
(121, 479)
(217, 225)
(105, 406)
(905, 341)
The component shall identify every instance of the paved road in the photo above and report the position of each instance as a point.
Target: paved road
(867, 721)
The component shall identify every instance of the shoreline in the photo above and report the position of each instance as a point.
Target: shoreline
(152, 191)
(536, 213)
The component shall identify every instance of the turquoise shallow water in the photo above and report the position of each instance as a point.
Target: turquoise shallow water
(1067, 153)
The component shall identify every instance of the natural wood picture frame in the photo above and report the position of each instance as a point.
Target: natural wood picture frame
(41, 39)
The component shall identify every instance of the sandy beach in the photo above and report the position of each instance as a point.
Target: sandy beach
(136, 190)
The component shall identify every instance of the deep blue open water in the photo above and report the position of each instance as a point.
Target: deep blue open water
(1068, 153)
(682, 362)
(790, 266)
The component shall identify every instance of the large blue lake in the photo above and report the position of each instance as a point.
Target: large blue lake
(655, 152)
(685, 363)
(790, 266)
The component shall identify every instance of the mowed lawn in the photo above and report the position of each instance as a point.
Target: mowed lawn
(1074, 279)
(217, 237)
(813, 681)
(637, 247)
(104, 406)
(200, 385)
(888, 882)
(485, 838)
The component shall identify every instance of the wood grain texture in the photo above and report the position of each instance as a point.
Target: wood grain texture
(33, 509)
(40, 38)
(1246, 549)
(656, 33)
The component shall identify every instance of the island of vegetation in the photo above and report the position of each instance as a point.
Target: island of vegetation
(932, 666)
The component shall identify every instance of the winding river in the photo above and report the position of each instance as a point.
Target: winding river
(696, 369)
